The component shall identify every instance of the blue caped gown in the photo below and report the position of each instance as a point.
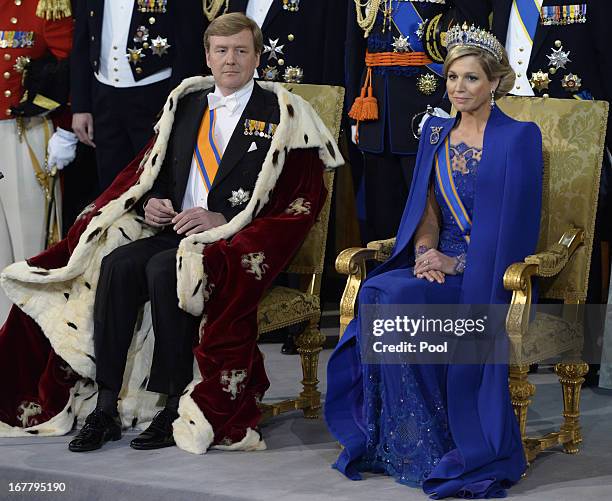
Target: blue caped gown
(449, 429)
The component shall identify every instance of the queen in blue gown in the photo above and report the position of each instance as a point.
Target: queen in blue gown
(449, 429)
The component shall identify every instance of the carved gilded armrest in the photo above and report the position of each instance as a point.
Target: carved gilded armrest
(352, 262)
(517, 278)
(383, 248)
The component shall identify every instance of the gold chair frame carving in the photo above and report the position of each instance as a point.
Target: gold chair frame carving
(284, 306)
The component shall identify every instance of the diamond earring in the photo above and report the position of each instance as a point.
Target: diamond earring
(492, 99)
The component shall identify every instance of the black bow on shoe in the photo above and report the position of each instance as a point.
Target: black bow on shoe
(99, 428)
(159, 432)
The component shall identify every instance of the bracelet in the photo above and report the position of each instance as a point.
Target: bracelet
(420, 250)
(461, 263)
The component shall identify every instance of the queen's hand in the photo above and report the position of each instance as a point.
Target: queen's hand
(434, 265)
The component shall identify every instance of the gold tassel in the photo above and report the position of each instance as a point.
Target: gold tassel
(53, 10)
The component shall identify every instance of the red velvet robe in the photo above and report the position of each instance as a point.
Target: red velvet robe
(41, 393)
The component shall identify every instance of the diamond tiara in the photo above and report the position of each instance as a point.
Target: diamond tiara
(474, 37)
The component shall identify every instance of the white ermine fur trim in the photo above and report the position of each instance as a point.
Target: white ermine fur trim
(251, 442)
(61, 300)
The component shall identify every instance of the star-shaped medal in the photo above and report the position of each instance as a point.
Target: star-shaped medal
(559, 58)
(274, 49)
(239, 197)
(134, 55)
(571, 82)
(270, 73)
(293, 74)
(539, 80)
(160, 46)
(401, 44)
(421, 29)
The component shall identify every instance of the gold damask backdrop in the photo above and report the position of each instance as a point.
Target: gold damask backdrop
(573, 133)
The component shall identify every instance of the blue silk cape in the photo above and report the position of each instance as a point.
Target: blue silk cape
(488, 457)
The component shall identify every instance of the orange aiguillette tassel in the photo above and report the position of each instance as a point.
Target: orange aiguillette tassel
(365, 106)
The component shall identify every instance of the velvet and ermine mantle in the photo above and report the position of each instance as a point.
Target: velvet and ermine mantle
(47, 363)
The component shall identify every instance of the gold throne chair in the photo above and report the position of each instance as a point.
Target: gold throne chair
(573, 133)
(286, 306)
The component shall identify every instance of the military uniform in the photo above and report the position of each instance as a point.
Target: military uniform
(123, 76)
(401, 90)
(23, 182)
(303, 40)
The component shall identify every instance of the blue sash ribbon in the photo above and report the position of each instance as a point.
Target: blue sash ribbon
(446, 184)
(407, 18)
(529, 14)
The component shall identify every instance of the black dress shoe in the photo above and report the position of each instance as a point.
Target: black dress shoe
(99, 428)
(159, 432)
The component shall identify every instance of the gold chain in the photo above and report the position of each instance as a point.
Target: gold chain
(212, 7)
(366, 21)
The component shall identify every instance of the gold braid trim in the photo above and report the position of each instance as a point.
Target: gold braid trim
(212, 7)
(53, 10)
(366, 21)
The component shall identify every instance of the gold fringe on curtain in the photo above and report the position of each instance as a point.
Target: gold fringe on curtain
(53, 10)
(212, 7)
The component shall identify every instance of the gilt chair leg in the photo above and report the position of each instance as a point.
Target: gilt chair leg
(521, 390)
(309, 345)
(571, 378)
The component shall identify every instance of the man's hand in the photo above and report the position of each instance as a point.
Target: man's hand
(433, 265)
(82, 125)
(196, 220)
(159, 212)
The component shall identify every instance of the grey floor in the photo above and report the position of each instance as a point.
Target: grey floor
(296, 464)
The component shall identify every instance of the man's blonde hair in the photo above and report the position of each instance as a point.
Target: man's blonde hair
(232, 24)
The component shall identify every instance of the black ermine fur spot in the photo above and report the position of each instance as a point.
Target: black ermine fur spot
(275, 157)
(134, 422)
(91, 357)
(290, 110)
(69, 410)
(128, 203)
(93, 234)
(154, 159)
(180, 262)
(32, 432)
(191, 422)
(331, 150)
(72, 326)
(306, 138)
(144, 383)
(66, 295)
(125, 235)
(88, 285)
(43, 273)
(170, 104)
(197, 288)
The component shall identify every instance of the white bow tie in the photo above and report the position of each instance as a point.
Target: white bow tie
(230, 102)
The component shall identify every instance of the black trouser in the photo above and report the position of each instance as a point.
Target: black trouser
(387, 179)
(123, 124)
(129, 277)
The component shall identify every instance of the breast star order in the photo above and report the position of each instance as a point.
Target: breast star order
(401, 44)
(559, 58)
(274, 49)
(160, 46)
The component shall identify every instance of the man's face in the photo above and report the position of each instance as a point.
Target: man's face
(232, 60)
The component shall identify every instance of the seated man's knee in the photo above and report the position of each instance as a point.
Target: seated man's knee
(161, 270)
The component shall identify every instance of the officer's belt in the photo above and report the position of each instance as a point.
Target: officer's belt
(374, 59)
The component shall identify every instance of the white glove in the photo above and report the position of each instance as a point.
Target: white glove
(61, 149)
(354, 134)
(437, 112)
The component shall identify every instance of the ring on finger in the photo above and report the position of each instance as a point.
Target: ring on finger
(426, 262)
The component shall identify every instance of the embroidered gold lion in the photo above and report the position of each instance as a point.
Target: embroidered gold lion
(298, 206)
(254, 263)
(232, 381)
